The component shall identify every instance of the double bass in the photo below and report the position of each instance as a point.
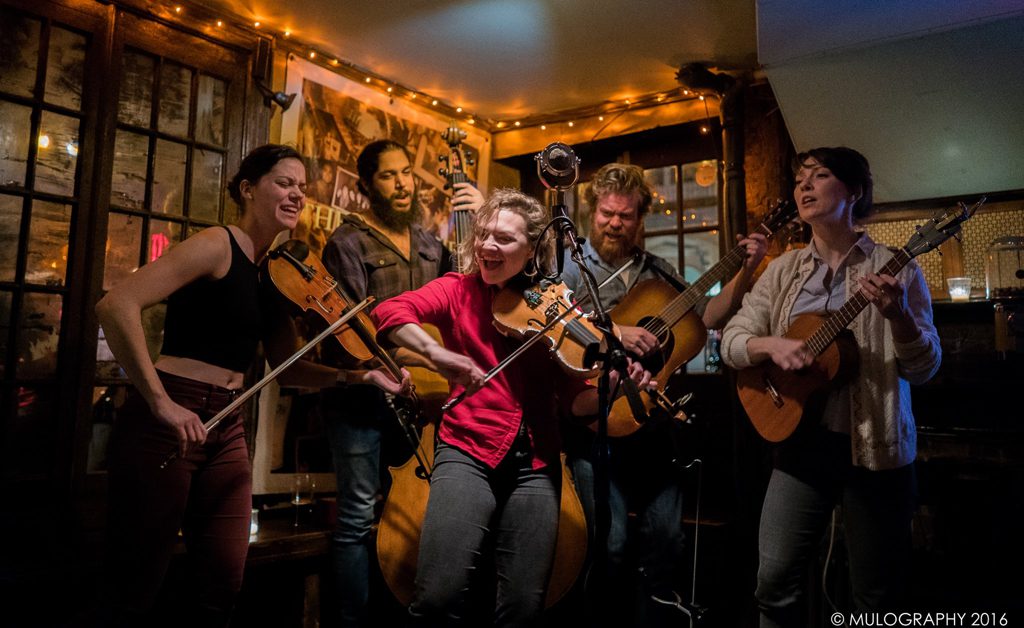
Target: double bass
(398, 532)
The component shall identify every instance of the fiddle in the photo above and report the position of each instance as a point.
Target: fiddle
(515, 315)
(302, 279)
(547, 309)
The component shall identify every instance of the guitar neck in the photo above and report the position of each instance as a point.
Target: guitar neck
(721, 271)
(837, 322)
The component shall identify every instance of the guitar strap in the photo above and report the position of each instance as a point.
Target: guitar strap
(651, 262)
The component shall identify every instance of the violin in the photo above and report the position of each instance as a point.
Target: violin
(303, 280)
(548, 309)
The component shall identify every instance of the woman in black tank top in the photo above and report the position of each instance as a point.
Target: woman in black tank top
(215, 319)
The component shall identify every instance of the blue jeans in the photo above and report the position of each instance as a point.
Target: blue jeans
(469, 501)
(657, 546)
(876, 506)
(356, 452)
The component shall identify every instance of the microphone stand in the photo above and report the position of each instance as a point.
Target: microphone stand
(615, 358)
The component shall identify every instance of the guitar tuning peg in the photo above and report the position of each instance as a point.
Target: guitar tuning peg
(442, 158)
(443, 172)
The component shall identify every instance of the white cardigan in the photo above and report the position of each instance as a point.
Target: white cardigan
(882, 430)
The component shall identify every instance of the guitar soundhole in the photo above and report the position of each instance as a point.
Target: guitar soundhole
(655, 361)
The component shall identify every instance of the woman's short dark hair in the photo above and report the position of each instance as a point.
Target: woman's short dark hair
(848, 166)
(257, 163)
(369, 160)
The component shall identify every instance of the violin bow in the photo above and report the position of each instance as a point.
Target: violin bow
(217, 418)
(454, 401)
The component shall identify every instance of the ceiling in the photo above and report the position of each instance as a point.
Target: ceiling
(931, 91)
(505, 59)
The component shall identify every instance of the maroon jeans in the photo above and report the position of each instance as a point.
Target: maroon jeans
(207, 495)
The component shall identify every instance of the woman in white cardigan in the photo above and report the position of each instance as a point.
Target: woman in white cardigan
(860, 453)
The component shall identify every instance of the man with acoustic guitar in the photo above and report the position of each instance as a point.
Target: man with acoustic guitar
(856, 449)
(382, 253)
(642, 477)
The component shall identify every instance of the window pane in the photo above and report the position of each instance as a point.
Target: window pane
(204, 202)
(37, 335)
(210, 99)
(666, 246)
(175, 96)
(128, 183)
(700, 252)
(700, 194)
(49, 234)
(10, 226)
(15, 127)
(135, 102)
(665, 203)
(19, 54)
(5, 328)
(65, 66)
(124, 239)
(106, 366)
(57, 159)
(168, 177)
(31, 434)
(162, 236)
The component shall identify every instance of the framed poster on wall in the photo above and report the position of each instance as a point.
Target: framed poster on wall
(329, 123)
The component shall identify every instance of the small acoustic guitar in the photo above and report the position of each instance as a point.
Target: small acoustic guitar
(668, 314)
(776, 400)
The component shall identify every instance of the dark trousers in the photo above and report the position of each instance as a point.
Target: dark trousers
(207, 495)
(468, 502)
(812, 475)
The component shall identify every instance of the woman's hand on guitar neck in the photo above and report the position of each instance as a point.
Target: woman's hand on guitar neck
(787, 353)
(467, 197)
(890, 297)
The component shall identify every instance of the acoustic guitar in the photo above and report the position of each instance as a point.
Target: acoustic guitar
(776, 400)
(669, 315)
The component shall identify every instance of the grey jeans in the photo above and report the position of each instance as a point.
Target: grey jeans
(811, 477)
(516, 506)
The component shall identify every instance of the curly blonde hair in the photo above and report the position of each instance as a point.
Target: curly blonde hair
(534, 215)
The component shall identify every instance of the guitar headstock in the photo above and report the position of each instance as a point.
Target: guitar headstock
(781, 214)
(943, 225)
(455, 162)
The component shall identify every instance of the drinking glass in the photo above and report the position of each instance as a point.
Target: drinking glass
(302, 494)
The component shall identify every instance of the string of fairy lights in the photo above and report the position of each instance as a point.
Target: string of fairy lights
(218, 26)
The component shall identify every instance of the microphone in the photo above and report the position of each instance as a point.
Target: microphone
(557, 166)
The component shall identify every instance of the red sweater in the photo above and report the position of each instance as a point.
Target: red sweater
(533, 387)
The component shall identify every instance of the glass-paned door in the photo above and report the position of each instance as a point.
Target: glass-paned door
(178, 104)
(42, 79)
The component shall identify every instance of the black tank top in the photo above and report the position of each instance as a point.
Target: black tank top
(217, 321)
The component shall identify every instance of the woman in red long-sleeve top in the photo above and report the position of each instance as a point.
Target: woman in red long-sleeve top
(496, 465)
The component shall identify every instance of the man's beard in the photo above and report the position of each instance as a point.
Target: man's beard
(396, 221)
(611, 250)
